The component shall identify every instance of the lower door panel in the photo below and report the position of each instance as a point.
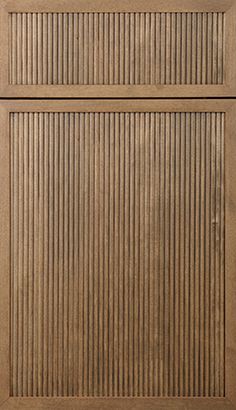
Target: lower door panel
(118, 263)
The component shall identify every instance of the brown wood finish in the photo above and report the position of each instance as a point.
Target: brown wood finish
(126, 49)
(119, 284)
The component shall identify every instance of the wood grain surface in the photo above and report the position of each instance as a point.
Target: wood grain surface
(118, 217)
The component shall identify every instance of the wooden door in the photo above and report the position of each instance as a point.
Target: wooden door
(117, 250)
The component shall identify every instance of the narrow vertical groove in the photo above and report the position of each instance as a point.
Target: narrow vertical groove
(116, 253)
(121, 258)
(40, 307)
(173, 48)
(20, 367)
(192, 252)
(75, 35)
(71, 32)
(72, 273)
(132, 50)
(222, 258)
(25, 255)
(106, 49)
(146, 271)
(111, 257)
(45, 48)
(86, 205)
(75, 228)
(91, 256)
(161, 255)
(96, 50)
(151, 359)
(194, 49)
(55, 234)
(183, 62)
(178, 46)
(142, 259)
(202, 132)
(181, 253)
(85, 48)
(49, 65)
(207, 252)
(168, 48)
(36, 251)
(189, 53)
(18, 48)
(126, 283)
(136, 252)
(132, 272)
(13, 49)
(55, 49)
(40, 66)
(81, 149)
(24, 48)
(172, 254)
(187, 219)
(166, 267)
(177, 255)
(29, 48)
(101, 257)
(111, 17)
(45, 256)
(204, 39)
(51, 268)
(197, 252)
(31, 257)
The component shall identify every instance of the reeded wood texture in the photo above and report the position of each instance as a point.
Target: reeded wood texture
(116, 48)
(117, 254)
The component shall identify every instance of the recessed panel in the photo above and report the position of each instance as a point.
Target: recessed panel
(107, 49)
(116, 48)
(117, 254)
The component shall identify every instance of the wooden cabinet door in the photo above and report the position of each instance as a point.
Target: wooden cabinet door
(109, 48)
(118, 233)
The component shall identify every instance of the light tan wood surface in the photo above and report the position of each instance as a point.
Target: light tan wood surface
(124, 49)
(118, 246)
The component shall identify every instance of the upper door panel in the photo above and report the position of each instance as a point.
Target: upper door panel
(105, 48)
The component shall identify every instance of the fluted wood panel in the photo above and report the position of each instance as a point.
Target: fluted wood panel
(116, 48)
(117, 254)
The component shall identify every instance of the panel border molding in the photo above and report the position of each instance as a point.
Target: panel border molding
(229, 108)
(228, 88)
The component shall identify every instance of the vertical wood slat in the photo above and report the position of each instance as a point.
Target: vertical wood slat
(117, 254)
(116, 48)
